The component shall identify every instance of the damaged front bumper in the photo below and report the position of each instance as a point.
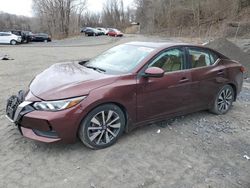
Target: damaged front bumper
(16, 110)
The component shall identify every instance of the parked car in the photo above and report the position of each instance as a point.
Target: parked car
(9, 38)
(29, 35)
(114, 33)
(26, 38)
(84, 29)
(115, 92)
(103, 30)
(92, 32)
(41, 37)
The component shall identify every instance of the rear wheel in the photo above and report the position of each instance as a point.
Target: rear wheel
(102, 126)
(223, 101)
(13, 42)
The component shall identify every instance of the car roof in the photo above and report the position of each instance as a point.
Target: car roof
(158, 44)
(163, 45)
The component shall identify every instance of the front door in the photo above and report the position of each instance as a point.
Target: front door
(157, 97)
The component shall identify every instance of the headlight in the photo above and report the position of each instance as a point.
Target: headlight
(57, 105)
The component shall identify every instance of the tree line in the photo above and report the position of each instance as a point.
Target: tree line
(62, 18)
(180, 15)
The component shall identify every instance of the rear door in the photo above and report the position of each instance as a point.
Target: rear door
(157, 97)
(208, 75)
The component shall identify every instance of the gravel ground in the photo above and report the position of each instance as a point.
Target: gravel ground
(200, 150)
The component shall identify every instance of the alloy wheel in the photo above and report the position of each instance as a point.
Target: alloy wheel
(225, 100)
(104, 127)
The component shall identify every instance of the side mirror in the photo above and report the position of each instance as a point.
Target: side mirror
(154, 72)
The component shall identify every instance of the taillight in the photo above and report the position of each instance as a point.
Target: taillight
(243, 69)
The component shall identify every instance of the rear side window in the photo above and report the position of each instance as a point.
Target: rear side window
(199, 58)
(214, 57)
(6, 34)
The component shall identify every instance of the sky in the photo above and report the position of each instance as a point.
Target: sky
(24, 7)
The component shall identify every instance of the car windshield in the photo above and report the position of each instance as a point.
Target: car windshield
(120, 59)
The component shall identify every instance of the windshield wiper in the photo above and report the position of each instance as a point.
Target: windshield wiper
(96, 68)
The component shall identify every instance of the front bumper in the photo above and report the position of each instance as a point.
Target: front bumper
(47, 126)
(30, 133)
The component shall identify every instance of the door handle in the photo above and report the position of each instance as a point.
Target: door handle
(184, 79)
(220, 72)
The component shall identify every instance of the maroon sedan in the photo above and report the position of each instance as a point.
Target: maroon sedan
(127, 86)
(114, 33)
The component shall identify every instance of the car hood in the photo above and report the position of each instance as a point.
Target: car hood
(66, 80)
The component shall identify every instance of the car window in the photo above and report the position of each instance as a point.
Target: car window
(169, 61)
(6, 34)
(120, 59)
(200, 58)
(213, 57)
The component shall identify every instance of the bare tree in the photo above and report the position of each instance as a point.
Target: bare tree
(55, 15)
(157, 15)
(10, 21)
(113, 14)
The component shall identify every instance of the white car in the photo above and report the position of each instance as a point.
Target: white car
(9, 38)
(103, 30)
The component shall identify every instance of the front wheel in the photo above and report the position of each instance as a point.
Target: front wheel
(223, 101)
(13, 42)
(102, 126)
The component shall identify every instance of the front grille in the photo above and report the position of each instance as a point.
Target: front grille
(16, 106)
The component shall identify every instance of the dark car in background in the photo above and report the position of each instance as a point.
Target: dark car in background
(29, 35)
(92, 32)
(41, 37)
(125, 87)
(84, 29)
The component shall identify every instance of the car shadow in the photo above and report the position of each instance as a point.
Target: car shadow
(145, 129)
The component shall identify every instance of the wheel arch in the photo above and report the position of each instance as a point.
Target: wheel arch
(13, 40)
(235, 90)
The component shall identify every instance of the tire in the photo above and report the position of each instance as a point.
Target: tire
(223, 100)
(102, 126)
(13, 42)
